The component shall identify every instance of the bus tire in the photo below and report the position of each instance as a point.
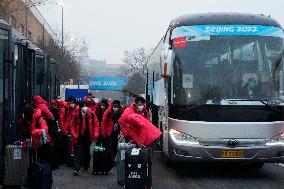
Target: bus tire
(257, 165)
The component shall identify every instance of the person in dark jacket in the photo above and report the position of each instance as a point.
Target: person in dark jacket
(84, 131)
(25, 123)
(110, 127)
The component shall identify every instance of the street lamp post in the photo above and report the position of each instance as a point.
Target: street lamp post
(61, 3)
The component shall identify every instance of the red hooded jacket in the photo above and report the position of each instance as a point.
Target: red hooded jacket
(133, 109)
(92, 122)
(40, 104)
(38, 123)
(90, 103)
(107, 122)
(138, 128)
(69, 115)
(61, 114)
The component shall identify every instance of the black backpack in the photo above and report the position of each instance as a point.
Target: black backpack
(53, 129)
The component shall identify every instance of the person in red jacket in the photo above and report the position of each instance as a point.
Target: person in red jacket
(139, 129)
(110, 127)
(139, 107)
(84, 131)
(71, 108)
(41, 140)
(100, 109)
(40, 104)
(89, 100)
(62, 105)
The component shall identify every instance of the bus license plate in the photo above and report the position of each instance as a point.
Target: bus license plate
(232, 154)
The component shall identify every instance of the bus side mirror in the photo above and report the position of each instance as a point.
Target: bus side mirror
(166, 61)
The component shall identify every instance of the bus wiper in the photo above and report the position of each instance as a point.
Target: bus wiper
(261, 101)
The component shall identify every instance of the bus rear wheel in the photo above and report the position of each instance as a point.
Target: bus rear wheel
(257, 165)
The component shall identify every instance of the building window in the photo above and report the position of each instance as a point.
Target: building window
(29, 35)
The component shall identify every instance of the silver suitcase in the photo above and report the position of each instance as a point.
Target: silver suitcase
(16, 166)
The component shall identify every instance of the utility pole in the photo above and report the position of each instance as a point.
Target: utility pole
(62, 29)
(26, 18)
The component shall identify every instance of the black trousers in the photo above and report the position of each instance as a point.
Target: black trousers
(152, 147)
(111, 143)
(82, 156)
(63, 149)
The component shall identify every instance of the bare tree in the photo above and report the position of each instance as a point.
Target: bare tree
(68, 62)
(134, 61)
(135, 65)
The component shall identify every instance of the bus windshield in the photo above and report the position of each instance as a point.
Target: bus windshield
(227, 66)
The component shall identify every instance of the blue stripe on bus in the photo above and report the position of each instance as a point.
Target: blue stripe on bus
(229, 30)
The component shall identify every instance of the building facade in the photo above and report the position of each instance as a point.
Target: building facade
(26, 19)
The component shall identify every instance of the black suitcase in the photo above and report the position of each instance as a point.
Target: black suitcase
(40, 175)
(138, 173)
(102, 161)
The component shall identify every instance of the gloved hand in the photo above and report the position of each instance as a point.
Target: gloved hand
(140, 145)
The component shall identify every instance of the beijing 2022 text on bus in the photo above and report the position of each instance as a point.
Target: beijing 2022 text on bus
(217, 82)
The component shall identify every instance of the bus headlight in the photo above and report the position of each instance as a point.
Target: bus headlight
(182, 138)
(276, 141)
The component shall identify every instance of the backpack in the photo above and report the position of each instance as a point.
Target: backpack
(53, 129)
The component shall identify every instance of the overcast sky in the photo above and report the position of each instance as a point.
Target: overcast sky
(113, 26)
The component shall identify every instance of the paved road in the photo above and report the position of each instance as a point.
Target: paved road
(185, 176)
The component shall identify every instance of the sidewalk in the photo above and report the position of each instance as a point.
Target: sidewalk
(63, 179)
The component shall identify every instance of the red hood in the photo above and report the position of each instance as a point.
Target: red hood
(37, 113)
(62, 103)
(38, 100)
(53, 103)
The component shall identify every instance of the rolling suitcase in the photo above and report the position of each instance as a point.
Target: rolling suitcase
(102, 161)
(138, 169)
(120, 165)
(16, 166)
(40, 175)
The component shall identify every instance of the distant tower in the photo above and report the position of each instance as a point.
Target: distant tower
(84, 58)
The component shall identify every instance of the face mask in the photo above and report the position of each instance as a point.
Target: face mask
(115, 109)
(72, 105)
(140, 108)
(84, 109)
(103, 107)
